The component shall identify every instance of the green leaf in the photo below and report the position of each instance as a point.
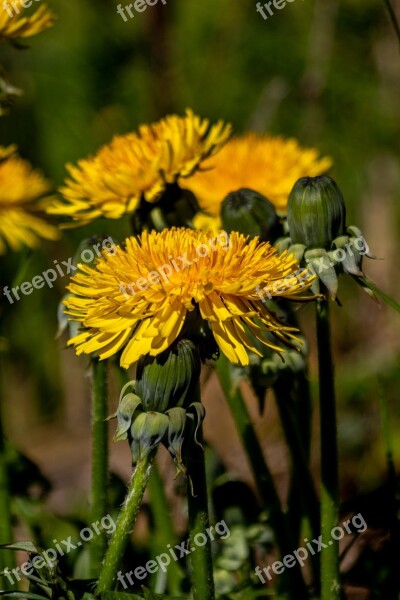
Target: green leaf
(389, 301)
(22, 547)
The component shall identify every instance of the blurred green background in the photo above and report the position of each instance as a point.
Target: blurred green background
(326, 72)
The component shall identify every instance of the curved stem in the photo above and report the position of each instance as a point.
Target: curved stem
(99, 461)
(200, 557)
(126, 520)
(262, 476)
(330, 577)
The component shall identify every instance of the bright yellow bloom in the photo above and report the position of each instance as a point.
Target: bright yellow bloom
(111, 183)
(15, 24)
(138, 298)
(269, 165)
(23, 194)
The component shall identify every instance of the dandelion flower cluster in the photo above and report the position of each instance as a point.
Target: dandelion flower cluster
(220, 282)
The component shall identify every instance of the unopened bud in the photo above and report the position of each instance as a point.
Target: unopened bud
(316, 212)
(250, 213)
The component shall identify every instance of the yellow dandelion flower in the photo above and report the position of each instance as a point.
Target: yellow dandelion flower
(111, 183)
(138, 298)
(269, 165)
(15, 24)
(24, 193)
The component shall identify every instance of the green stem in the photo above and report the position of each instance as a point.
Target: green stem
(6, 531)
(125, 523)
(330, 576)
(262, 476)
(163, 530)
(303, 485)
(99, 461)
(201, 557)
(297, 451)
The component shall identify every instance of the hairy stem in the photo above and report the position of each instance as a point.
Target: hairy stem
(99, 461)
(125, 523)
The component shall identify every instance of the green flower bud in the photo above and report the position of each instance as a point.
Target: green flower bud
(170, 378)
(316, 212)
(250, 213)
(158, 407)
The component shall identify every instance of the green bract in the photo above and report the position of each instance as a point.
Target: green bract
(170, 378)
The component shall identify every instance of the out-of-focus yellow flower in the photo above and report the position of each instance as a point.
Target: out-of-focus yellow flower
(14, 22)
(24, 193)
(138, 299)
(111, 183)
(269, 165)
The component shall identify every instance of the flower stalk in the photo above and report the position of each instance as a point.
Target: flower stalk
(262, 476)
(125, 523)
(330, 576)
(99, 460)
(201, 559)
